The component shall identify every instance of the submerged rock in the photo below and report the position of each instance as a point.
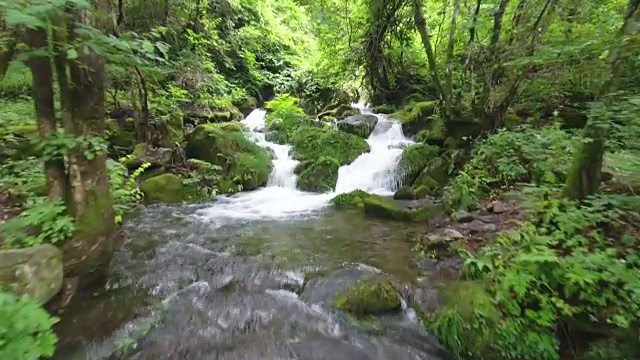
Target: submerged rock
(369, 297)
(361, 125)
(35, 271)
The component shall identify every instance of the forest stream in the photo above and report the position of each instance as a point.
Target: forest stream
(253, 275)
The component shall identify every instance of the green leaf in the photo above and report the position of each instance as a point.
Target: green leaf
(72, 54)
(19, 18)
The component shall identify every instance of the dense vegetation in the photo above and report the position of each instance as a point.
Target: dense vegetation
(109, 104)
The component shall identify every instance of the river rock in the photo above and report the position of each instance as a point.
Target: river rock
(324, 289)
(497, 207)
(359, 124)
(157, 157)
(477, 226)
(463, 216)
(35, 272)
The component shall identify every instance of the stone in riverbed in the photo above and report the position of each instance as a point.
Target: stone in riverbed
(319, 176)
(360, 124)
(36, 271)
(369, 297)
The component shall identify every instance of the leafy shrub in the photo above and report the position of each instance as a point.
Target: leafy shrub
(25, 329)
(539, 156)
(123, 186)
(570, 269)
(283, 113)
(41, 222)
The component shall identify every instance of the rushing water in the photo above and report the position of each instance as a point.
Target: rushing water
(226, 279)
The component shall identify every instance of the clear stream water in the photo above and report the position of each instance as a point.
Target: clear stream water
(226, 279)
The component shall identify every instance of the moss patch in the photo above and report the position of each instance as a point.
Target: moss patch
(319, 176)
(350, 200)
(415, 116)
(369, 297)
(165, 188)
(245, 165)
(312, 143)
(385, 208)
(414, 159)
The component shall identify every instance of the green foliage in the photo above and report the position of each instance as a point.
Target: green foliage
(573, 267)
(41, 222)
(283, 112)
(25, 329)
(124, 189)
(204, 177)
(539, 156)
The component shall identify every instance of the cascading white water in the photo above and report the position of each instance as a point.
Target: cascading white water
(372, 172)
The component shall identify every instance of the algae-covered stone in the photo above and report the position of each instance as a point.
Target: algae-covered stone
(369, 297)
(157, 157)
(413, 160)
(405, 193)
(361, 125)
(384, 109)
(385, 208)
(165, 188)
(320, 176)
(350, 200)
(36, 271)
(244, 164)
(432, 178)
(312, 143)
(415, 116)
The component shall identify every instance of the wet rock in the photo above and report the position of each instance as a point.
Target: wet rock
(400, 145)
(488, 219)
(319, 176)
(423, 297)
(35, 271)
(369, 297)
(497, 207)
(359, 124)
(400, 210)
(405, 193)
(463, 217)
(324, 289)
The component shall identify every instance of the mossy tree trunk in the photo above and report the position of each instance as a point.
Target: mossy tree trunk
(82, 88)
(584, 176)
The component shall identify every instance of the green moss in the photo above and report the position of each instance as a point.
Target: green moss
(165, 188)
(405, 193)
(312, 143)
(415, 116)
(320, 176)
(385, 208)
(173, 131)
(384, 109)
(413, 160)
(350, 200)
(278, 137)
(369, 297)
(244, 164)
(432, 178)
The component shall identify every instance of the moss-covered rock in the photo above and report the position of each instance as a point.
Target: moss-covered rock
(361, 125)
(415, 116)
(413, 160)
(319, 176)
(384, 109)
(388, 209)
(312, 143)
(350, 200)
(278, 137)
(405, 193)
(432, 179)
(245, 165)
(157, 157)
(338, 112)
(165, 188)
(369, 297)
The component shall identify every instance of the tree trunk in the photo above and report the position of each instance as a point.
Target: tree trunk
(40, 67)
(90, 202)
(583, 179)
(6, 56)
(421, 25)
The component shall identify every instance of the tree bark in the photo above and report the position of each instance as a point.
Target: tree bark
(584, 177)
(90, 201)
(421, 25)
(42, 73)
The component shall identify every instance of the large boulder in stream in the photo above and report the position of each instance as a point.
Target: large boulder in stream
(413, 160)
(313, 143)
(244, 164)
(35, 272)
(167, 189)
(369, 297)
(318, 176)
(382, 207)
(361, 125)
